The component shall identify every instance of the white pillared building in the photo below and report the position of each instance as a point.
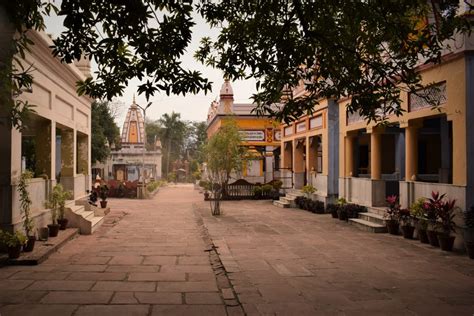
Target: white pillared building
(55, 144)
(126, 163)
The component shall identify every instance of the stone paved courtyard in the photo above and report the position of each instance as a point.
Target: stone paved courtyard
(152, 258)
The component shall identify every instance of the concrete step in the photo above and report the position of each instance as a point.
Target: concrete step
(372, 217)
(75, 208)
(96, 222)
(368, 226)
(294, 194)
(377, 210)
(281, 204)
(288, 198)
(84, 218)
(86, 214)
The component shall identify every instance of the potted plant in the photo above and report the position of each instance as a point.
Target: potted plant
(446, 225)
(53, 204)
(431, 208)
(318, 207)
(392, 215)
(14, 242)
(342, 212)
(277, 184)
(406, 222)
(353, 210)
(308, 190)
(418, 214)
(103, 194)
(332, 208)
(469, 231)
(307, 204)
(25, 204)
(61, 197)
(299, 201)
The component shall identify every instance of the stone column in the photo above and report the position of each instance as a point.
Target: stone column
(43, 135)
(411, 151)
(400, 154)
(52, 144)
(298, 161)
(375, 155)
(311, 152)
(287, 159)
(463, 165)
(68, 150)
(298, 165)
(349, 156)
(83, 154)
(269, 161)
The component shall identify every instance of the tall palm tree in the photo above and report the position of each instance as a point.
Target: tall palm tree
(172, 134)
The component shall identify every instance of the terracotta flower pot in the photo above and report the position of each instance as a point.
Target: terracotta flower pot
(334, 214)
(433, 238)
(422, 236)
(53, 230)
(408, 231)
(30, 245)
(446, 242)
(103, 204)
(392, 226)
(14, 252)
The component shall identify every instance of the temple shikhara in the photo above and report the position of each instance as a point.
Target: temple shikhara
(127, 162)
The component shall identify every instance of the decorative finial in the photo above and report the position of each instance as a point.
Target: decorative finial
(134, 98)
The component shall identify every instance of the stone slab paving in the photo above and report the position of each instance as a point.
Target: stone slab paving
(292, 262)
(153, 257)
(148, 258)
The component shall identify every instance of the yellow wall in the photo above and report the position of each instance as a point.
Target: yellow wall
(319, 109)
(453, 73)
(247, 123)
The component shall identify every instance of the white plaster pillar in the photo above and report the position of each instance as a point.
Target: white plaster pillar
(53, 150)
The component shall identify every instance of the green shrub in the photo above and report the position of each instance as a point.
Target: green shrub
(206, 185)
(257, 191)
(171, 177)
(277, 184)
(267, 188)
(341, 201)
(152, 186)
(308, 189)
(197, 175)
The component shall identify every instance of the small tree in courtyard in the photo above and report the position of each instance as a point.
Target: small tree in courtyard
(224, 155)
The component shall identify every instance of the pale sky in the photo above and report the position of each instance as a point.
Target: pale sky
(191, 107)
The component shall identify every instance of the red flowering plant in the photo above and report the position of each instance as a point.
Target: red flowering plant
(446, 216)
(393, 211)
(405, 217)
(432, 207)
